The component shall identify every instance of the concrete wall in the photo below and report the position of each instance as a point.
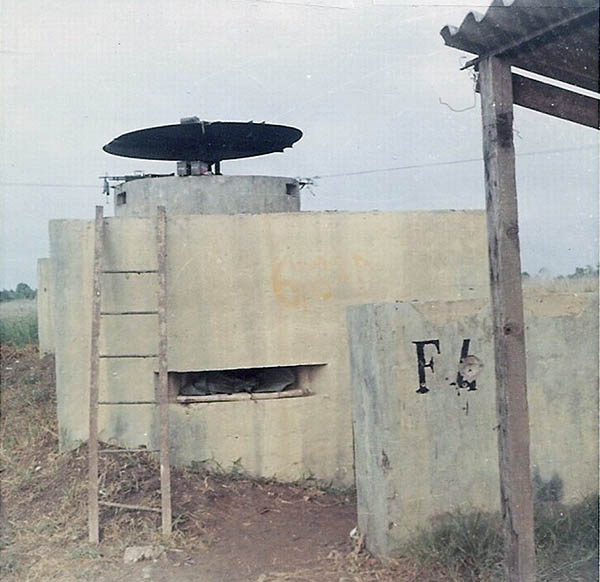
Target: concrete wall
(208, 194)
(249, 291)
(419, 455)
(44, 307)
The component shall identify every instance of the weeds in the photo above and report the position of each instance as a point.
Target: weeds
(567, 541)
(18, 323)
(312, 486)
(469, 547)
(464, 546)
(44, 526)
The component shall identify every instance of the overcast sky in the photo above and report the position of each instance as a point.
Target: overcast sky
(363, 79)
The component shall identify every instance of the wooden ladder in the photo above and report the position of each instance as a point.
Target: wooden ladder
(97, 314)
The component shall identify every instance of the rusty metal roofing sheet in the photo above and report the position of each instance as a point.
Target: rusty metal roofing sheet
(554, 38)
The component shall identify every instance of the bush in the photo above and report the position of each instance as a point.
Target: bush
(23, 291)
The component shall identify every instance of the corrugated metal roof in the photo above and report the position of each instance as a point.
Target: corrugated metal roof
(555, 38)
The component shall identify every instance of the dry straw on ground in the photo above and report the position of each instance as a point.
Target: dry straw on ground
(228, 526)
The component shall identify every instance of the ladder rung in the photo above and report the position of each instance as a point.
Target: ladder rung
(130, 402)
(162, 395)
(131, 271)
(129, 313)
(127, 506)
(128, 356)
(118, 451)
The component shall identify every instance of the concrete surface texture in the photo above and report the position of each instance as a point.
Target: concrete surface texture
(248, 291)
(44, 308)
(425, 446)
(207, 194)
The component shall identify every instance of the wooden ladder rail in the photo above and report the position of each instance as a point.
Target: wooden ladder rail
(93, 507)
(163, 396)
(163, 377)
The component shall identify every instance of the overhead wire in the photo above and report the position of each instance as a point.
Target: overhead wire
(447, 163)
(45, 185)
(344, 174)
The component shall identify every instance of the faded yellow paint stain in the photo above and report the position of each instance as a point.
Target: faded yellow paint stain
(296, 283)
(285, 290)
(359, 260)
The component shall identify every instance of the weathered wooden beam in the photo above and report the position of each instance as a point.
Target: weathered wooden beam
(555, 101)
(93, 512)
(129, 506)
(163, 379)
(293, 393)
(507, 308)
(126, 451)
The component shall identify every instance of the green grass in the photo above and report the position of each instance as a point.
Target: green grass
(18, 322)
(567, 541)
(468, 547)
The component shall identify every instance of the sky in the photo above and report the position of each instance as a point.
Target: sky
(390, 121)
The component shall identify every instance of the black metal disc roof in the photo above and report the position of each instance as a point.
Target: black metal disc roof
(206, 141)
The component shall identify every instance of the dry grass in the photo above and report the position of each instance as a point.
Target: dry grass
(44, 509)
(44, 512)
(538, 285)
(44, 495)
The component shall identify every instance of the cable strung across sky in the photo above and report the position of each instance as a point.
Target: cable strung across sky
(341, 175)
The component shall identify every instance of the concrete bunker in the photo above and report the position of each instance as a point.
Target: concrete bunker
(254, 286)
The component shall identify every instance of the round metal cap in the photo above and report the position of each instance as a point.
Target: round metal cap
(205, 141)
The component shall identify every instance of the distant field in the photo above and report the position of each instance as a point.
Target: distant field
(18, 322)
(533, 285)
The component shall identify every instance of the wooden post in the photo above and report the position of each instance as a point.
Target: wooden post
(507, 307)
(163, 376)
(93, 521)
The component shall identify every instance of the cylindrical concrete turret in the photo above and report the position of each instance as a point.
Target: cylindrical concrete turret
(208, 194)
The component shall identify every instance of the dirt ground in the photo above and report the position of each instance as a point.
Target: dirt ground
(227, 527)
